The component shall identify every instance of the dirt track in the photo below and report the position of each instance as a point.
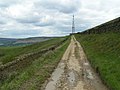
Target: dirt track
(74, 72)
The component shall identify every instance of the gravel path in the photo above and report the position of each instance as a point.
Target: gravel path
(74, 72)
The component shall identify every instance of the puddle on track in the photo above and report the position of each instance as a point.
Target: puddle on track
(71, 77)
(55, 77)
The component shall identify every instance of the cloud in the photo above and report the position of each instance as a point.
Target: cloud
(45, 21)
(6, 3)
(26, 18)
(64, 6)
(19, 33)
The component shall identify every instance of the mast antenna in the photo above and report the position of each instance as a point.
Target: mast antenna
(73, 26)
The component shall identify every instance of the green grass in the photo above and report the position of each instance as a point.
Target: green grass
(37, 72)
(8, 54)
(103, 51)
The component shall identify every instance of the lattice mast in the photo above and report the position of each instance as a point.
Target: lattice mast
(73, 25)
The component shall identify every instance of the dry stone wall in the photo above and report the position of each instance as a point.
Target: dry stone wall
(111, 26)
(23, 61)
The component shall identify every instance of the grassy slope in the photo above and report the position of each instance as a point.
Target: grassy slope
(103, 51)
(37, 72)
(8, 54)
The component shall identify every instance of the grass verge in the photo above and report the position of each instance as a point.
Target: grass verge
(32, 77)
(103, 51)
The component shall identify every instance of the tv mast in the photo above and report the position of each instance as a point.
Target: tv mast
(73, 26)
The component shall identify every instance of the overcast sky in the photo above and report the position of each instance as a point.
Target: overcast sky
(26, 18)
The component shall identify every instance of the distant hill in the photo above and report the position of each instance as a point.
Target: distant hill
(32, 40)
(7, 41)
(24, 41)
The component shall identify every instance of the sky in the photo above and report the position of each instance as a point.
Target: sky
(34, 18)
